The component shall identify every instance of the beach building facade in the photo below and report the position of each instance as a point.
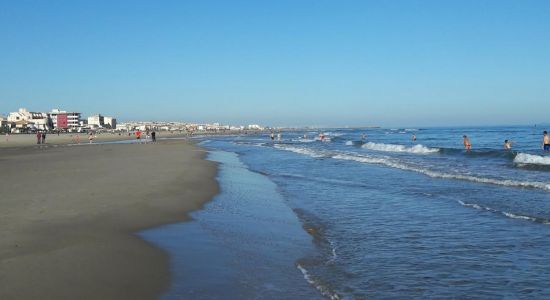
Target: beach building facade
(96, 121)
(63, 120)
(109, 122)
(25, 120)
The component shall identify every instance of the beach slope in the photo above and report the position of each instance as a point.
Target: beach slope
(68, 217)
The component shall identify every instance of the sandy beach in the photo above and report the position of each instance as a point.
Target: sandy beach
(69, 215)
(23, 140)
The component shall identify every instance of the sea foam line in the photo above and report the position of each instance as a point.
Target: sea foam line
(435, 174)
(386, 161)
(524, 158)
(416, 149)
(504, 213)
(324, 290)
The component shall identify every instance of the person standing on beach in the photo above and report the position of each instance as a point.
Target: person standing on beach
(154, 136)
(138, 135)
(43, 137)
(91, 137)
(507, 145)
(545, 141)
(467, 144)
(38, 137)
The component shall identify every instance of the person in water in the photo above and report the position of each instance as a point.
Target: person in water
(507, 145)
(545, 141)
(272, 136)
(414, 137)
(467, 144)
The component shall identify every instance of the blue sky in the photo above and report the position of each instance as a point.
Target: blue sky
(294, 62)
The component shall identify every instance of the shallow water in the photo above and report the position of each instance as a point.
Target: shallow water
(387, 217)
(242, 245)
(394, 218)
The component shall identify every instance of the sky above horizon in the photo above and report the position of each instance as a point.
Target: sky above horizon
(280, 63)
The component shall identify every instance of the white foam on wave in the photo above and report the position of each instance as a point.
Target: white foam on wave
(514, 216)
(530, 159)
(324, 290)
(504, 213)
(416, 149)
(349, 143)
(398, 165)
(302, 140)
(300, 150)
(394, 163)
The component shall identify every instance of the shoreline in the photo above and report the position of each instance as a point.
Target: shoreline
(71, 217)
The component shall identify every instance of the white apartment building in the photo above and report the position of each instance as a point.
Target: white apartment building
(109, 122)
(96, 121)
(26, 119)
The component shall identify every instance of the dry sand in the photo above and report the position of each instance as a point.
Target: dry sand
(69, 214)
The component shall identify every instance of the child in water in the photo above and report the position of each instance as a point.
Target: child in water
(467, 144)
(507, 145)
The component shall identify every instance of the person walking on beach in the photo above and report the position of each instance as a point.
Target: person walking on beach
(91, 137)
(154, 136)
(138, 135)
(467, 144)
(507, 145)
(38, 137)
(545, 141)
(43, 137)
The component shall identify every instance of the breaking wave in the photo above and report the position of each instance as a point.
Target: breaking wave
(395, 163)
(530, 159)
(417, 149)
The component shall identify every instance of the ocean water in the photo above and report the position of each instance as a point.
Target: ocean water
(386, 217)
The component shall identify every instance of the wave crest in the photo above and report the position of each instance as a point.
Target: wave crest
(417, 149)
(530, 159)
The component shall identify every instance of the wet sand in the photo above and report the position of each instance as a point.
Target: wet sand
(69, 215)
(24, 140)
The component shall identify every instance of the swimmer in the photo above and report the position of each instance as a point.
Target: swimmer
(467, 144)
(507, 145)
(363, 137)
(272, 136)
(546, 141)
(414, 137)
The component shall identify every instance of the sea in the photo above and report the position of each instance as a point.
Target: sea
(368, 213)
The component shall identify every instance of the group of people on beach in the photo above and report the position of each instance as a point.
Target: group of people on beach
(508, 143)
(152, 135)
(40, 137)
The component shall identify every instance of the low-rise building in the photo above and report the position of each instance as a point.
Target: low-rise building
(25, 119)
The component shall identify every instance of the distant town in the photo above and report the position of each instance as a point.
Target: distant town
(57, 120)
